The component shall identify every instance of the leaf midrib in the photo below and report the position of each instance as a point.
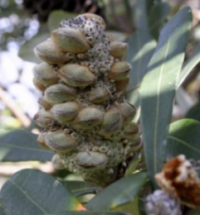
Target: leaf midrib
(157, 108)
(184, 143)
(139, 57)
(24, 193)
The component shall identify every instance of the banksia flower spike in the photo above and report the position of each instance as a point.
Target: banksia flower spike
(85, 120)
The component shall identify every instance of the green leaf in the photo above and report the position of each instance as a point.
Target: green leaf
(4, 131)
(21, 145)
(117, 35)
(30, 192)
(149, 5)
(183, 138)
(194, 112)
(118, 193)
(57, 16)
(2, 211)
(132, 166)
(129, 11)
(157, 17)
(26, 50)
(194, 212)
(79, 188)
(131, 207)
(158, 87)
(91, 213)
(140, 49)
(189, 65)
(140, 15)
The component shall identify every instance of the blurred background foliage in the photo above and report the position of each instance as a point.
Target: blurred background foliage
(25, 23)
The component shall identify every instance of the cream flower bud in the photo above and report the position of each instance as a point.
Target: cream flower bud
(91, 159)
(48, 52)
(57, 162)
(41, 140)
(60, 142)
(70, 40)
(46, 105)
(112, 122)
(76, 76)
(128, 112)
(40, 86)
(46, 74)
(59, 93)
(131, 130)
(43, 118)
(65, 112)
(122, 85)
(98, 95)
(88, 117)
(119, 71)
(118, 49)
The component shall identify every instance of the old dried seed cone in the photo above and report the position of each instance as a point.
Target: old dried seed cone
(179, 178)
(85, 120)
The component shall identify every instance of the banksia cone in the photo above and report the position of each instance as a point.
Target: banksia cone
(85, 120)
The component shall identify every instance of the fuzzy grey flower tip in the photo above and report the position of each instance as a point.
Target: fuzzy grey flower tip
(161, 202)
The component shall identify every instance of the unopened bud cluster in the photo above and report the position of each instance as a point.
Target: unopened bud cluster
(85, 120)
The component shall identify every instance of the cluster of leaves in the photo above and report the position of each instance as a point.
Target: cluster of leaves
(160, 68)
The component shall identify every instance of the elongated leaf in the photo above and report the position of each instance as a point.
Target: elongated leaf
(132, 166)
(183, 138)
(30, 192)
(140, 49)
(131, 207)
(194, 212)
(79, 188)
(189, 65)
(157, 17)
(4, 131)
(158, 87)
(129, 11)
(140, 15)
(57, 16)
(194, 112)
(118, 193)
(26, 50)
(90, 213)
(1, 211)
(21, 145)
(149, 5)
